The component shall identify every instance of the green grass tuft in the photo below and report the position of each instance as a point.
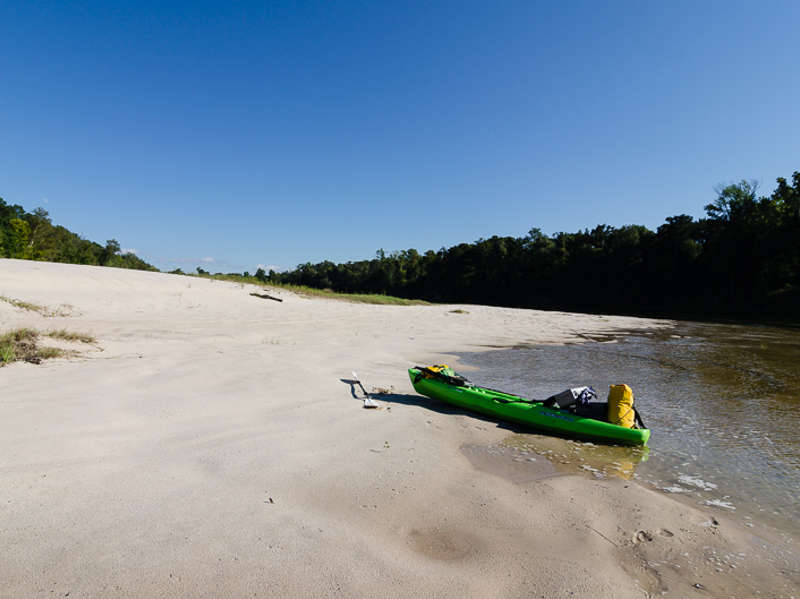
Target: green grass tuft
(7, 354)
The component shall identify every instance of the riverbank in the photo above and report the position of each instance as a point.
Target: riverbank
(721, 401)
(210, 444)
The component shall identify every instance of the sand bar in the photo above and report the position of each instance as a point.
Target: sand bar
(208, 446)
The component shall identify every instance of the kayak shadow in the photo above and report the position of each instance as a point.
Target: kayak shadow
(441, 407)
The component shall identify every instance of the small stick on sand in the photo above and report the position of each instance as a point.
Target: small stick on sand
(266, 296)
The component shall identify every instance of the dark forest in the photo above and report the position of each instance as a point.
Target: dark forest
(742, 261)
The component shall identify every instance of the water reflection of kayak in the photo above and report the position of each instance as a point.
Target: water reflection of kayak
(572, 456)
(516, 409)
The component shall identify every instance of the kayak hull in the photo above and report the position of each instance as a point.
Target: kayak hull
(512, 408)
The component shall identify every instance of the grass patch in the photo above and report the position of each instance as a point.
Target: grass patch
(43, 310)
(46, 353)
(66, 335)
(458, 311)
(361, 298)
(22, 345)
(7, 354)
(24, 305)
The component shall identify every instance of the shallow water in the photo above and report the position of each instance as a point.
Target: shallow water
(722, 402)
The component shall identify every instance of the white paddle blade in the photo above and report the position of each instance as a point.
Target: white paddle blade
(370, 403)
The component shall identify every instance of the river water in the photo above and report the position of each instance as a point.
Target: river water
(722, 402)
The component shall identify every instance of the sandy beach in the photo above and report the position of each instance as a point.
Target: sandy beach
(209, 444)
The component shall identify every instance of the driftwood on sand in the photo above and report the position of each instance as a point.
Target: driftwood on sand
(266, 296)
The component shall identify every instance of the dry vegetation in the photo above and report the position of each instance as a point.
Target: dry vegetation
(23, 305)
(43, 310)
(71, 336)
(22, 345)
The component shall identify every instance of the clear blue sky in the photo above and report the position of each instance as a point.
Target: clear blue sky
(280, 133)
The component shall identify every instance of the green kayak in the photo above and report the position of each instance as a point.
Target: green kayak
(513, 408)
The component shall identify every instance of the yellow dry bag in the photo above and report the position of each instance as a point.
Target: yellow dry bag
(620, 406)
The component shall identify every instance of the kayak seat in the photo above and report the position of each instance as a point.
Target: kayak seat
(596, 410)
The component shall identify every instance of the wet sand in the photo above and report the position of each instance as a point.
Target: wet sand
(209, 444)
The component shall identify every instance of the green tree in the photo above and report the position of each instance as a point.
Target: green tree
(16, 238)
(733, 201)
(107, 253)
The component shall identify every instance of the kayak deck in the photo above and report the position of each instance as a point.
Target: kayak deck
(513, 408)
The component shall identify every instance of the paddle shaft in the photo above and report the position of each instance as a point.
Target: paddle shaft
(358, 381)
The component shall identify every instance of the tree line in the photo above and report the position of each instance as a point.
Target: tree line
(32, 236)
(741, 261)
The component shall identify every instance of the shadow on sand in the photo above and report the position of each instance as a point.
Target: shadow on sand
(440, 407)
(434, 405)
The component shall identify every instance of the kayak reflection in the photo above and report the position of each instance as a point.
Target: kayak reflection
(580, 457)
